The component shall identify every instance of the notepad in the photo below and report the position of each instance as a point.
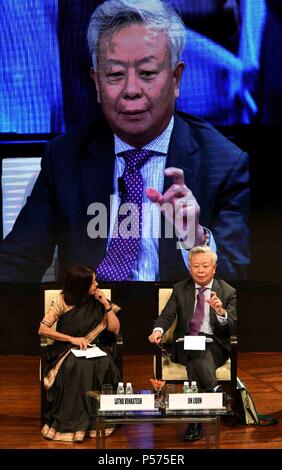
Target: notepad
(89, 352)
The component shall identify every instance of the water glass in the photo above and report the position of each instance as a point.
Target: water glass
(169, 389)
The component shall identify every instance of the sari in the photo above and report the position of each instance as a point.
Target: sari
(71, 414)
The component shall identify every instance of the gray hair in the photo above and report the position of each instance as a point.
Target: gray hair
(203, 249)
(114, 14)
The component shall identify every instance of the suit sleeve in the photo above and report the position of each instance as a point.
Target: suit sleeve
(229, 304)
(28, 249)
(230, 222)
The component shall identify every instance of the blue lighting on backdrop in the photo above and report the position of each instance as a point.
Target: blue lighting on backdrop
(44, 63)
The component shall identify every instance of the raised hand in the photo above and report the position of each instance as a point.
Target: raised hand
(100, 296)
(216, 303)
(180, 208)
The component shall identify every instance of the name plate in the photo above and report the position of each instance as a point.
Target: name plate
(195, 401)
(194, 343)
(132, 402)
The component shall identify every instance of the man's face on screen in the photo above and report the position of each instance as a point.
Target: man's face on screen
(135, 83)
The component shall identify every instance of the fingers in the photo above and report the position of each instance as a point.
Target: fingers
(177, 175)
(177, 190)
(99, 295)
(215, 302)
(155, 337)
(175, 194)
(153, 195)
(178, 205)
(82, 343)
(213, 298)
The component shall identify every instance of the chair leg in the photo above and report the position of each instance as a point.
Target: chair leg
(43, 402)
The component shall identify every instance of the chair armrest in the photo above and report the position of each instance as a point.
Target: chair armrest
(43, 341)
(119, 338)
(43, 361)
(118, 352)
(163, 350)
(233, 376)
(233, 340)
(233, 358)
(43, 354)
(166, 348)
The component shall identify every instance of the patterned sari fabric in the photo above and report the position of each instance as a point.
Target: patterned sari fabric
(70, 413)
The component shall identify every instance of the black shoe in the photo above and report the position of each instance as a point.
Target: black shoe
(193, 432)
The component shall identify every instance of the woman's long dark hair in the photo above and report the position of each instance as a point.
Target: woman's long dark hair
(77, 284)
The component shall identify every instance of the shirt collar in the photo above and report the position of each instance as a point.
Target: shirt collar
(208, 286)
(159, 144)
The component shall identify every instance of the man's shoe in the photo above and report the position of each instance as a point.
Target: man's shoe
(193, 432)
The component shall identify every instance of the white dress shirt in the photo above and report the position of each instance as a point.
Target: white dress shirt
(147, 265)
(206, 325)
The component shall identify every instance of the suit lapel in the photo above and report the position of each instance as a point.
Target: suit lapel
(183, 153)
(190, 300)
(96, 171)
(216, 287)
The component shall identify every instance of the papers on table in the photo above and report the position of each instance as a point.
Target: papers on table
(93, 351)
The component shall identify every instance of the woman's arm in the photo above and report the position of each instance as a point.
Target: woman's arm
(113, 324)
(48, 332)
(58, 308)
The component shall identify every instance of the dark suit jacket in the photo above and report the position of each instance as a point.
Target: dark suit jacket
(181, 306)
(77, 170)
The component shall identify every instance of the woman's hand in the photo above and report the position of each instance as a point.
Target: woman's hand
(100, 296)
(110, 317)
(81, 342)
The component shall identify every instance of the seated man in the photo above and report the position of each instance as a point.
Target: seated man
(206, 306)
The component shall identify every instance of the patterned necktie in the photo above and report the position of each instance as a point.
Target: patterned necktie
(198, 315)
(123, 249)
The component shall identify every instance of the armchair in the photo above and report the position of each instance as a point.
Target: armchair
(117, 346)
(172, 372)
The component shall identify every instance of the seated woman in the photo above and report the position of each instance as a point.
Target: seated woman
(83, 314)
